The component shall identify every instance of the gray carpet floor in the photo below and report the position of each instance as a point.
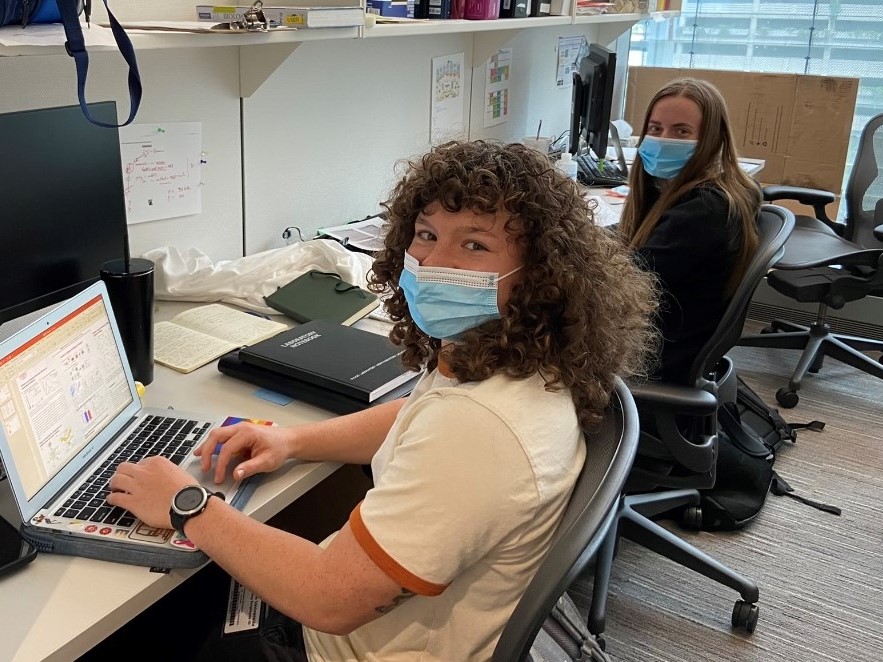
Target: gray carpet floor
(820, 576)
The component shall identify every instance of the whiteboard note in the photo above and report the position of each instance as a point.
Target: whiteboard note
(162, 170)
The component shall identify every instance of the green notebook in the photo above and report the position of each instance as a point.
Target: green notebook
(321, 295)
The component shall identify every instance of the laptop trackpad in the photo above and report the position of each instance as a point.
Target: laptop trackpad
(206, 479)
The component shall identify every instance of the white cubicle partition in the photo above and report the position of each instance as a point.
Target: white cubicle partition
(179, 85)
(302, 128)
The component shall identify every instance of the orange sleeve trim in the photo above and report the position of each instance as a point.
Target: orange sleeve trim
(386, 563)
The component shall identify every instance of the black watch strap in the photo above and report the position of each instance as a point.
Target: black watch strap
(180, 519)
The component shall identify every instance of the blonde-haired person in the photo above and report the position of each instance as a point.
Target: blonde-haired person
(522, 311)
(690, 215)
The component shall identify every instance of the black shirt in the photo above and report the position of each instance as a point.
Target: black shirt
(693, 250)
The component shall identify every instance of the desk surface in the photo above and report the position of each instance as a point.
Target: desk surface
(609, 206)
(58, 607)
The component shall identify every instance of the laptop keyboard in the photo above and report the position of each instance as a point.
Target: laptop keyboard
(169, 437)
(591, 174)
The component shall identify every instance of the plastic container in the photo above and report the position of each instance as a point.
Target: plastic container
(567, 165)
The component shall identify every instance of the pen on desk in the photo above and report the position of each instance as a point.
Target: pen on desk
(539, 128)
(251, 312)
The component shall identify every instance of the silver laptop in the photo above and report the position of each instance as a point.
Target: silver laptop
(69, 413)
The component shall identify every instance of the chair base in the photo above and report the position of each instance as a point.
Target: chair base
(633, 522)
(816, 342)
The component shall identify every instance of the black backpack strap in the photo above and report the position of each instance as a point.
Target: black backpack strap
(780, 487)
(815, 426)
(76, 48)
(730, 423)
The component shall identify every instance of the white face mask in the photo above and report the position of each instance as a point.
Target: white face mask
(445, 302)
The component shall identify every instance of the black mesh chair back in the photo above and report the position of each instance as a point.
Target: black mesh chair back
(864, 190)
(676, 454)
(611, 451)
(774, 225)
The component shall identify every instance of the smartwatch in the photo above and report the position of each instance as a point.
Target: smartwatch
(189, 502)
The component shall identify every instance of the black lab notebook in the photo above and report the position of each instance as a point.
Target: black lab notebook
(230, 364)
(349, 361)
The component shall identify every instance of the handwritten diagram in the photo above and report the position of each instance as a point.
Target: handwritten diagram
(162, 170)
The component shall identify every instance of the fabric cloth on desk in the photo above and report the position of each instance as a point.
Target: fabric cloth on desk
(190, 275)
(604, 212)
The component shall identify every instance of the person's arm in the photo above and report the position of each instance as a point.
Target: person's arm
(351, 439)
(689, 236)
(334, 590)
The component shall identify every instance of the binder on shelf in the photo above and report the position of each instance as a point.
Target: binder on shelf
(437, 9)
(349, 361)
(293, 17)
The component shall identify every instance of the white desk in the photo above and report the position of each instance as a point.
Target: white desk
(58, 607)
(609, 207)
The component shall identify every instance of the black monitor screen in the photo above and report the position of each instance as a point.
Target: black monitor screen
(63, 211)
(591, 100)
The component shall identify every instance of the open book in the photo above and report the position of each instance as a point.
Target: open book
(200, 335)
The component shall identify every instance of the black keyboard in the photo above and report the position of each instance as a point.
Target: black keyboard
(592, 173)
(173, 438)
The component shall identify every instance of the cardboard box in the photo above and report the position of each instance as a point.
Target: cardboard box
(798, 124)
(398, 8)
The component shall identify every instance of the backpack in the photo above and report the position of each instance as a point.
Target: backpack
(66, 12)
(749, 434)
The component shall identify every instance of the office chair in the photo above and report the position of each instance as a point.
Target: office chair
(678, 448)
(611, 451)
(831, 264)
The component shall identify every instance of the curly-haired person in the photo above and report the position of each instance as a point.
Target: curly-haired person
(521, 311)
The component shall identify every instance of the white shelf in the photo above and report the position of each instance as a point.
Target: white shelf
(153, 41)
(460, 26)
(264, 52)
(624, 18)
(148, 40)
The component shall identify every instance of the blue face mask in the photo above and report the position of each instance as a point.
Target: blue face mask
(445, 303)
(665, 157)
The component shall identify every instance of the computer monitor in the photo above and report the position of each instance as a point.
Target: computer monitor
(62, 210)
(591, 100)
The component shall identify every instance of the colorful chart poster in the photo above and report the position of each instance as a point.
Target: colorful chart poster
(496, 87)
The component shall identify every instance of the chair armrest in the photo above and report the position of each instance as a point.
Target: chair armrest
(806, 196)
(683, 399)
(815, 198)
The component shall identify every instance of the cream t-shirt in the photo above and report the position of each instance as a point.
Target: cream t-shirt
(470, 485)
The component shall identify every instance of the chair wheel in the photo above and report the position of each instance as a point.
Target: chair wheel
(745, 615)
(787, 398)
(691, 518)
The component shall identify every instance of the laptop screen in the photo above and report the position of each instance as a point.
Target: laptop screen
(62, 382)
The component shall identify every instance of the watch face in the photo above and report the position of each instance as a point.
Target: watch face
(189, 498)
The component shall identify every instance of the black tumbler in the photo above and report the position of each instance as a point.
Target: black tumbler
(130, 286)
